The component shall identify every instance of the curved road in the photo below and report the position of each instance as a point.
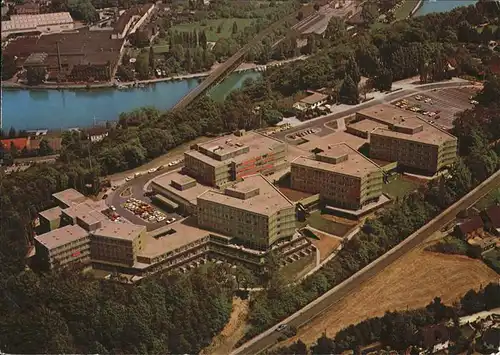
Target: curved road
(320, 305)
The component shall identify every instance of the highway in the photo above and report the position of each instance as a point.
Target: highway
(320, 305)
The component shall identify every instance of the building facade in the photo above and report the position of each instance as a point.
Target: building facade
(62, 247)
(253, 211)
(341, 175)
(409, 139)
(227, 159)
(43, 23)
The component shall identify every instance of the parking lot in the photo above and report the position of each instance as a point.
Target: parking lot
(439, 106)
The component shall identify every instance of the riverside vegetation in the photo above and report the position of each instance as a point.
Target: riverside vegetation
(68, 312)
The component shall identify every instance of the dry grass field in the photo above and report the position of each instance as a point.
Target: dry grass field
(411, 282)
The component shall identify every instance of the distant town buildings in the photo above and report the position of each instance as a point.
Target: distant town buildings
(37, 23)
(130, 20)
(340, 174)
(312, 101)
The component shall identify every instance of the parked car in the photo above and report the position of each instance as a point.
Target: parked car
(281, 327)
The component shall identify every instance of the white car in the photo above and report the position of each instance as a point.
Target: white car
(128, 178)
(171, 220)
(151, 170)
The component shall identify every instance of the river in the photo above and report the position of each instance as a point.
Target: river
(52, 109)
(429, 6)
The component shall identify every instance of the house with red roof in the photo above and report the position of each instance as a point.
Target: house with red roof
(19, 143)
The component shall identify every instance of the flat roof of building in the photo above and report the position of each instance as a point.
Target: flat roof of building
(268, 200)
(61, 236)
(188, 194)
(356, 164)
(27, 22)
(314, 98)
(257, 143)
(322, 143)
(126, 231)
(69, 197)
(186, 232)
(51, 214)
(87, 211)
(366, 125)
(391, 115)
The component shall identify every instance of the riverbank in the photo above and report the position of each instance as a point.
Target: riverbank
(129, 84)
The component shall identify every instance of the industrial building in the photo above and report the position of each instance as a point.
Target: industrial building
(83, 56)
(130, 20)
(229, 158)
(409, 139)
(253, 211)
(37, 23)
(340, 174)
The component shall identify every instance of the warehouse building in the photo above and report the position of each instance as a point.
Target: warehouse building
(409, 139)
(37, 23)
(226, 159)
(340, 174)
(253, 211)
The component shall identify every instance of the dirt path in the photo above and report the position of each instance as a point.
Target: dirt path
(232, 332)
(410, 282)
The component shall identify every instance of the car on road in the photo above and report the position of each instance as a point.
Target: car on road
(281, 327)
(128, 178)
(170, 220)
(152, 170)
(160, 167)
(114, 187)
(113, 208)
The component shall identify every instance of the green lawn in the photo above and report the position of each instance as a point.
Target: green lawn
(489, 199)
(160, 48)
(316, 220)
(211, 26)
(295, 270)
(399, 187)
(492, 259)
(405, 9)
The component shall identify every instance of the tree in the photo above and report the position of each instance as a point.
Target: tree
(203, 40)
(369, 12)
(14, 152)
(298, 348)
(324, 345)
(235, 28)
(352, 70)
(139, 39)
(348, 92)
(83, 10)
(45, 148)
(142, 68)
(12, 133)
(383, 80)
(151, 57)
(8, 66)
(36, 75)
(335, 28)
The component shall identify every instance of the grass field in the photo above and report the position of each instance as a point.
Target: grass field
(411, 282)
(488, 200)
(327, 223)
(399, 187)
(295, 270)
(210, 27)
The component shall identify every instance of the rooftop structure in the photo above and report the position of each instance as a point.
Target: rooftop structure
(404, 125)
(179, 188)
(493, 216)
(69, 197)
(253, 194)
(19, 143)
(125, 231)
(233, 157)
(29, 8)
(45, 23)
(317, 142)
(312, 101)
(363, 128)
(51, 214)
(341, 159)
(61, 236)
(124, 22)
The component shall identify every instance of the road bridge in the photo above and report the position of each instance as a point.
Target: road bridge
(234, 62)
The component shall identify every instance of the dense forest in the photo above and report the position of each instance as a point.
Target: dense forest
(399, 330)
(47, 313)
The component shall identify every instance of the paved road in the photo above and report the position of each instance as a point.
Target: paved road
(315, 308)
(388, 98)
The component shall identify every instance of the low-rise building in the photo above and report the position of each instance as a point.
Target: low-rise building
(29, 8)
(469, 228)
(50, 219)
(492, 217)
(130, 20)
(97, 134)
(42, 23)
(310, 102)
(62, 247)
(253, 211)
(178, 191)
(229, 158)
(68, 197)
(340, 174)
(409, 139)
